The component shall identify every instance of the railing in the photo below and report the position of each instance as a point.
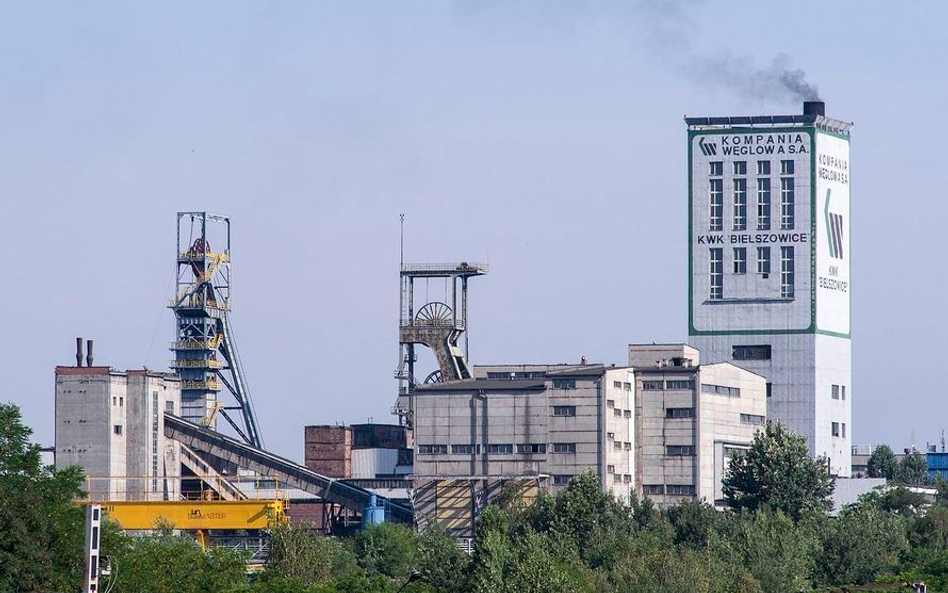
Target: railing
(198, 363)
(196, 302)
(212, 385)
(446, 267)
(139, 488)
(191, 344)
(453, 323)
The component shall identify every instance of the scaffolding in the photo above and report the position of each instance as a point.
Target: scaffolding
(205, 351)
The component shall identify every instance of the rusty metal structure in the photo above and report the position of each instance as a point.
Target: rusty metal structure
(436, 324)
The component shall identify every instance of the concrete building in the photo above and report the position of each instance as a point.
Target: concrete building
(769, 283)
(690, 419)
(551, 422)
(111, 424)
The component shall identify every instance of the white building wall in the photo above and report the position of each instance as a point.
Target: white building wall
(808, 331)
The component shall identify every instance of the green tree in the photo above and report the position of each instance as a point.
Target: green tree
(298, 554)
(387, 549)
(913, 469)
(882, 463)
(775, 551)
(444, 565)
(41, 530)
(859, 544)
(897, 501)
(777, 472)
(931, 530)
(169, 563)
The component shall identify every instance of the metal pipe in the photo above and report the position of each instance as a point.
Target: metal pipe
(88, 353)
(79, 352)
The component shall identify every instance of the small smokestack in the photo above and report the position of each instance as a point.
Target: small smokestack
(88, 353)
(814, 108)
(78, 352)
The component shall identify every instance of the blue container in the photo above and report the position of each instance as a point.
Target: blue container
(374, 512)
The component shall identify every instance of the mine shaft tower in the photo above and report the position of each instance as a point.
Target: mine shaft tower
(205, 353)
(435, 324)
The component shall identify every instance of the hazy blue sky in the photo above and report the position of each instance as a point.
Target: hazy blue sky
(545, 136)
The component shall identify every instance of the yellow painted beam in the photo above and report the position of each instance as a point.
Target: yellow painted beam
(193, 515)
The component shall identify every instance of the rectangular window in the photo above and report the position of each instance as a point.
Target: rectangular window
(740, 167)
(627, 386)
(531, 448)
(717, 168)
(617, 445)
(763, 261)
(763, 204)
(652, 385)
(121, 401)
(627, 413)
(561, 480)
(680, 384)
(680, 490)
(653, 489)
(610, 469)
(786, 203)
(617, 478)
(564, 410)
(627, 478)
(720, 390)
(564, 447)
(114, 400)
(844, 430)
(462, 449)
(835, 391)
(786, 167)
(617, 384)
(763, 167)
(842, 390)
(786, 272)
(770, 389)
(717, 205)
(680, 450)
(752, 419)
(501, 449)
(717, 274)
(740, 204)
(117, 429)
(835, 429)
(432, 449)
(679, 412)
(740, 260)
(756, 352)
(627, 446)
(617, 413)
(610, 403)
(564, 383)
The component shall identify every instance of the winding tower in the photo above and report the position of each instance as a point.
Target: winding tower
(205, 353)
(436, 324)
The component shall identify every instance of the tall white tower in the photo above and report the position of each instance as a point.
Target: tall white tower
(769, 290)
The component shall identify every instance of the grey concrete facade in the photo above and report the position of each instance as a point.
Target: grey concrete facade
(111, 424)
(689, 420)
(549, 421)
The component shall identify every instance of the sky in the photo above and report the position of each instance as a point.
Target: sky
(543, 137)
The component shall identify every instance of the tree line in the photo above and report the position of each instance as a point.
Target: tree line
(775, 536)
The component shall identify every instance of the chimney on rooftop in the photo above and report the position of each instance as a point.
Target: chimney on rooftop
(814, 108)
(88, 353)
(78, 352)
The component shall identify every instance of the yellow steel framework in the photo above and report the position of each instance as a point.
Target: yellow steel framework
(196, 515)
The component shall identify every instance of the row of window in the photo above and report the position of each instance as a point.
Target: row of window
(620, 446)
(671, 384)
(621, 385)
(739, 212)
(120, 403)
(497, 448)
(716, 168)
(671, 489)
(753, 419)
(680, 450)
(720, 390)
(787, 275)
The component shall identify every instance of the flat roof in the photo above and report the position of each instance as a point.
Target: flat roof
(768, 121)
(469, 385)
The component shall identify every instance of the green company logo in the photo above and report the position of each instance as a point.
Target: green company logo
(834, 229)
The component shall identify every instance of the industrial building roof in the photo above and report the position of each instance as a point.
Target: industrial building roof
(768, 121)
(469, 385)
